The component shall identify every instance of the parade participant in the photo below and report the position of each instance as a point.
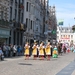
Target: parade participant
(55, 52)
(59, 47)
(48, 51)
(27, 47)
(41, 51)
(34, 53)
(64, 49)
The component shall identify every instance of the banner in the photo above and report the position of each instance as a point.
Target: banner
(60, 22)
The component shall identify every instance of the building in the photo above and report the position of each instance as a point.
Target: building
(52, 24)
(35, 20)
(17, 22)
(4, 21)
(29, 20)
(65, 35)
(38, 21)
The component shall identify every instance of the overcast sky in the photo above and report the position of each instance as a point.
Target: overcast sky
(65, 9)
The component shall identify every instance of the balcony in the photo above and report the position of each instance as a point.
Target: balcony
(20, 27)
(4, 23)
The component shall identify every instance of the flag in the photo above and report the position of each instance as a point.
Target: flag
(60, 22)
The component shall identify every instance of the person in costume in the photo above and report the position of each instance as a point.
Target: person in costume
(55, 52)
(48, 51)
(41, 51)
(27, 47)
(34, 53)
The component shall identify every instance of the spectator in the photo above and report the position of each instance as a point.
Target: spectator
(1, 54)
(14, 50)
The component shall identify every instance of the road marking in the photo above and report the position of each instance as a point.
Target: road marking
(68, 70)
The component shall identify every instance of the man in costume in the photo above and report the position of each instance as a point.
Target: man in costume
(34, 53)
(27, 47)
(41, 51)
(48, 51)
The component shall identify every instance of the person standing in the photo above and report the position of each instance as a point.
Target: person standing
(48, 51)
(34, 52)
(1, 54)
(14, 50)
(41, 51)
(27, 47)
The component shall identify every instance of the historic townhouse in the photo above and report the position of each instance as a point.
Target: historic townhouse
(65, 35)
(4, 21)
(38, 20)
(17, 21)
(29, 20)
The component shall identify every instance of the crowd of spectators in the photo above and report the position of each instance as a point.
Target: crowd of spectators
(11, 50)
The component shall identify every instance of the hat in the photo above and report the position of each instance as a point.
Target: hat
(41, 42)
(48, 43)
(35, 42)
(26, 42)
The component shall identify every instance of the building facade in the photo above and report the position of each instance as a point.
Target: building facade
(4, 21)
(52, 24)
(17, 22)
(65, 35)
(35, 17)
(25, 21)
(29, 20)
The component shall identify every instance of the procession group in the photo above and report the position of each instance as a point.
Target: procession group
(43, 51)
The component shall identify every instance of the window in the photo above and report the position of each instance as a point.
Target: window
(27, 6)
(19, 12)
(22, 18)
(15, 14)
(2, 14)
(31, 24)
(64, 36)
(61, 36)
(10, 13)
(26, 22)
(68, 36)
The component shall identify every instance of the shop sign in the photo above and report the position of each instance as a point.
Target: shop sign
(4, 33)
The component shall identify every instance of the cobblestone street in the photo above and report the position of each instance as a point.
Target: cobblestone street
(19, 66)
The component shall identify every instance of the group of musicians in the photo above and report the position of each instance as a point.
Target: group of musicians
(41, 49)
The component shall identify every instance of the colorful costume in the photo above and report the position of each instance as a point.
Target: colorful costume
(55, 53)
(26, 51)
(48, 51)
(41, 51)
(34, 53)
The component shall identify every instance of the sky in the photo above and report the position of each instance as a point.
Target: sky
(65, 9)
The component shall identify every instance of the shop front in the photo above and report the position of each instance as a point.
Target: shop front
(4, 36)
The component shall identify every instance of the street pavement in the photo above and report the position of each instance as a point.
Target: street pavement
(63, 65)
